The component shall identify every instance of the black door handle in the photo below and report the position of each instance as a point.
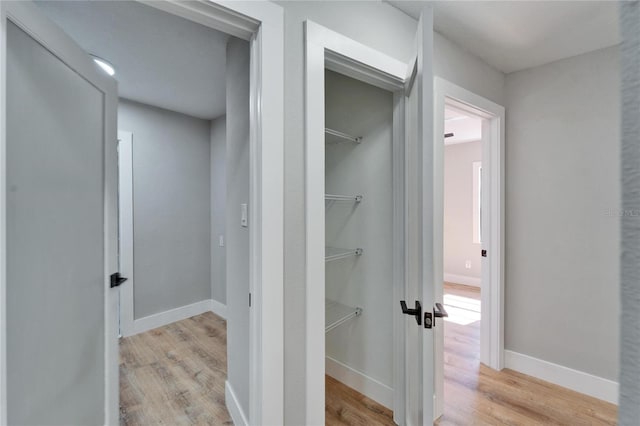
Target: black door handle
(417, 311)
(117, 279)
(439, 311)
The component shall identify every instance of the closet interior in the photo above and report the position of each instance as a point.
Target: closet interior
(359, 236)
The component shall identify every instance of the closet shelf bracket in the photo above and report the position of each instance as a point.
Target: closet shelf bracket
(333, 197)
(334, 253)
(337, 314)
(343, 136)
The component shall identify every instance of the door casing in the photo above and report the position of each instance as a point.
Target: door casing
(492, 296)
(328, 49)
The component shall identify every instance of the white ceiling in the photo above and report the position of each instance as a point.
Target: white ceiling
(160, 59)
(465, 128)
(515, 35)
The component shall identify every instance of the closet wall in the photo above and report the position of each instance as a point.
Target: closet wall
(364, 343)
(172, 213)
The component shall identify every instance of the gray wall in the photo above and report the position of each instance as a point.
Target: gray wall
(364, 343)
(172, 207)
(458, 209)
(237, 241)
(218, 208)
(361, 21)
(562, 243)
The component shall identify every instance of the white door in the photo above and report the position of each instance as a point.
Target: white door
(420, 220)
(59, 227)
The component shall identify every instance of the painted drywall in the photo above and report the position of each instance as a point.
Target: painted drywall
(379, 26)
(458, 210)
(218, 208)
(55, 369)
(630, 254)
(562, 230)
(364, 343)
(171, 207)
(460, 67)
(237, 237)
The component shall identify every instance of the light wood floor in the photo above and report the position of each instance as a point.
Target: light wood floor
(475, 394)
(175, 375)
(478, 395)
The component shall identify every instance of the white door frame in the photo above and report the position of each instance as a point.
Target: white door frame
(493, 164)
(262, 23)
(329, 49)
(125, 234)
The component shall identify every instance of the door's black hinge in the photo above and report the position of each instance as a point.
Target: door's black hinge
(483, 253)
(117, 280)
(249, 299)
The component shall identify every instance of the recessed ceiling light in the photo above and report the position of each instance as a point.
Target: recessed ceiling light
(105, 65)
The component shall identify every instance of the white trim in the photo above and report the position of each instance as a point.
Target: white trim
(368, 386)
(218, 308)
(462, 279)
(357, 61)
(493, 165)
(125, 222)
(167, 317)
(579, 381)
(233, 405)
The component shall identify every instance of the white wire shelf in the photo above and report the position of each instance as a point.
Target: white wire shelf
(334, 197)
(335, 253)
(337, 314)
(341, 137)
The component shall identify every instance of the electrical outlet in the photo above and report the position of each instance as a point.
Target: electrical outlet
(221, 240)
(467, 264)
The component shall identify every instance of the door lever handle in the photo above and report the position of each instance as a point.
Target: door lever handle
(117, 280)
(417, 311)
(439, 311)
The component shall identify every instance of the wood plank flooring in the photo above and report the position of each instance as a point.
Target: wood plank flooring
(478, 395)
(475, 394)
(175, 375)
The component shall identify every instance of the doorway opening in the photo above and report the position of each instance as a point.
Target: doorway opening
(472, 232)
(184, 167)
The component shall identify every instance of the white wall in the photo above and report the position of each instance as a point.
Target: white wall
(171, 207)
(237, 237)
(381, 27)
(364, 343)
(458, 213)
(218, 208)
(562, 180)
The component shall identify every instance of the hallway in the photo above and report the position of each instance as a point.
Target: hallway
(175, 374)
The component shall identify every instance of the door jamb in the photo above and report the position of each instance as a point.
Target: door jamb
(492, 325)
(334, 51)
(125, 234)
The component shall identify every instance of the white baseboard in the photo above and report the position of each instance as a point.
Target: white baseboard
(579, 381)
(462, 279)
(219, 309)
(163, 318)
(359, 381)
(233, 406)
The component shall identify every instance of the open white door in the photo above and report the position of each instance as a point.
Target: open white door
(420, 223)
(58, 227)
